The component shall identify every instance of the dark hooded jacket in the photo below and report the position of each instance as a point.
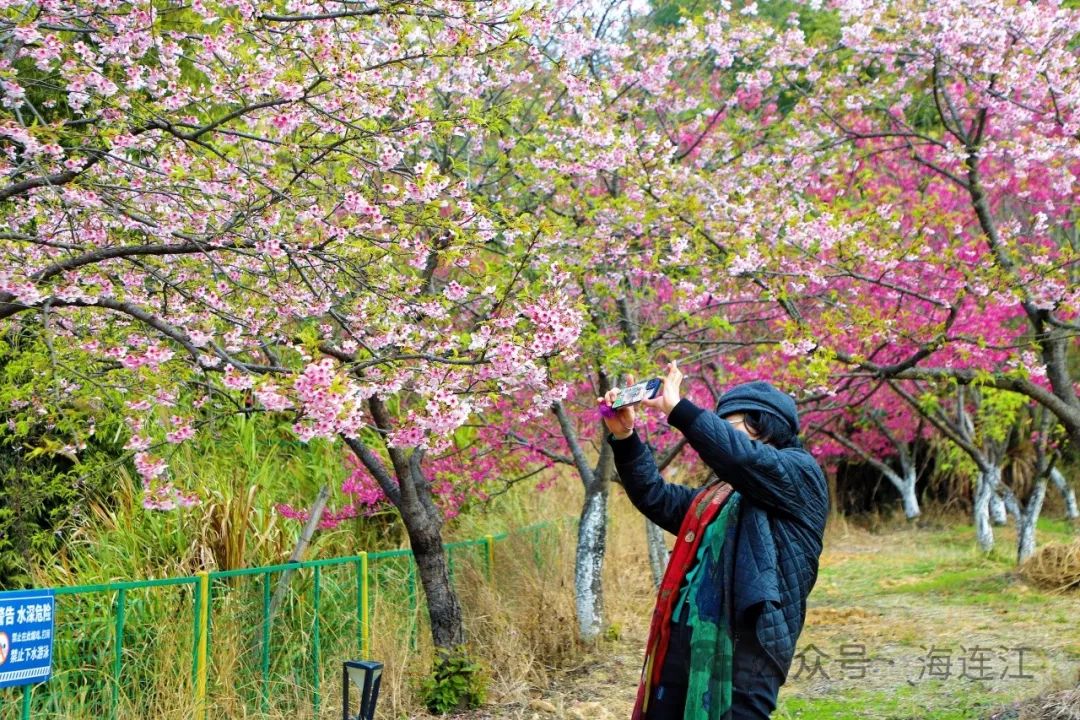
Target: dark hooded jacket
(783, 508)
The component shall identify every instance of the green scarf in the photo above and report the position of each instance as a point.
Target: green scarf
(708, 693)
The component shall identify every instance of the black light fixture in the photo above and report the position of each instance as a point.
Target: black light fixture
(366, 676)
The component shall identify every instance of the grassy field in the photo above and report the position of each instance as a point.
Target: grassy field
(904, 623)
(917, 623)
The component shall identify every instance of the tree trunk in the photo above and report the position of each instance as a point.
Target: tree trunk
(1067, 493)
(314, 516)
(423, 521)
(589, 563)
(905, 485)
(911, 501)
(998, 512)
(984, 491)
(903, 481)
(444, 610)
(1028, 518)
(592, 528)
(658, 552)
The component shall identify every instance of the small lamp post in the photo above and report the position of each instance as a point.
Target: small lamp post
(366, 676)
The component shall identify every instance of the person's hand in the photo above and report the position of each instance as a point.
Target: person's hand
(669, 396)
(620, 421)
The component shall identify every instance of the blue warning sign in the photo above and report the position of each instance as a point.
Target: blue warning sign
(26, 636)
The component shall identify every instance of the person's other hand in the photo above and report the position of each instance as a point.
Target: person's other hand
(669, 395)
(620, 421)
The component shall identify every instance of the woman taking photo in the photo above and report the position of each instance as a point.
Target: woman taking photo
(733, 600)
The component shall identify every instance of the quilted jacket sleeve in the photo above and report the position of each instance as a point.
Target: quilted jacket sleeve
(787, 481)
(662, 502)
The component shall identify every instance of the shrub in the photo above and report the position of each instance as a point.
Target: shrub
(52, 457)
(457, 682)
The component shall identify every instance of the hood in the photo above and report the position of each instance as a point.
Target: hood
(759, 395)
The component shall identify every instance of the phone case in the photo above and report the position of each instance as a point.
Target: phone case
(644, 390)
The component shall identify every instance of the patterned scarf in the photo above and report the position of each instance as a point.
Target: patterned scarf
(708, 692)
(708, 696)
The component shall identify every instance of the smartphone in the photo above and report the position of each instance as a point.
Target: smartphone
(644, 390)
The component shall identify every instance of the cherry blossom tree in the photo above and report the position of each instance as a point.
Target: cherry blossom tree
(876, 428)
(609, 135)
(980, 425)
(942, 138)
(267, 201)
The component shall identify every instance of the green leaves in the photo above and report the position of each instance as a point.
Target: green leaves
(457, 683)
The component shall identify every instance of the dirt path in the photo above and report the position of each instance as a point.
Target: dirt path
(600, 687)
(886, 604)
(904, 628)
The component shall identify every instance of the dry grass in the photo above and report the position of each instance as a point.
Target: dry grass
(520, 626)
(1055, 566)
(523, 624)
(1060, 705)
(225, 528)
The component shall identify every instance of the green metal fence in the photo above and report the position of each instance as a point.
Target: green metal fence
(121, 649)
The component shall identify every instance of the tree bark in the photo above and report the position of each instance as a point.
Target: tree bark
(908, 496)
(1067, 494)
(998, 512)
(444, 609)
(423, 524)
(658, 552)
(984, 490)
(589, 562)
(1027, 520)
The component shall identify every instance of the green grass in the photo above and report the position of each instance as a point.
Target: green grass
(902, 590)
(905, 703)
(946, 566)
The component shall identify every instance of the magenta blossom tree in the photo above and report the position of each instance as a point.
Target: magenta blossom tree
(939, 140)
(873, 426)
